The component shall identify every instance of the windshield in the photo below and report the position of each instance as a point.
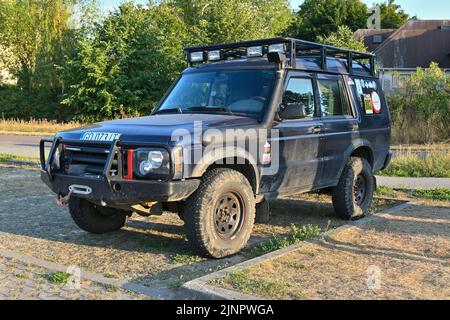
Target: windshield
(237, 92)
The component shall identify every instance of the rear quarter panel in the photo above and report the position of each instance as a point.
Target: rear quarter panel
(374, 127)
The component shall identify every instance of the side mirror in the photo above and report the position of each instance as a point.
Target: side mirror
(293, 111)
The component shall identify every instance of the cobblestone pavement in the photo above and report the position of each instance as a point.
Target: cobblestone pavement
(19, 281)
(151, 252)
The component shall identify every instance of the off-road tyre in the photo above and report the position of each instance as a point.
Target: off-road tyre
(96, 219)
(205, 209)
(349, 201)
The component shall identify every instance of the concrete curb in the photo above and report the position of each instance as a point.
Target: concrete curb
(154, 293)
(413, 183)
(201, 289)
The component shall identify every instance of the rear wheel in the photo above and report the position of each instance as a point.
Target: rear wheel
(353, 196)
(96, 219)
(219, 216)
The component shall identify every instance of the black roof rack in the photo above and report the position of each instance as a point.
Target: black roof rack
(294, 48)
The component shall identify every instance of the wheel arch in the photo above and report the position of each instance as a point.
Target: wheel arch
(361, 148)
(239, 160)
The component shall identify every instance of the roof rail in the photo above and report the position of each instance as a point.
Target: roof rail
(292, 48)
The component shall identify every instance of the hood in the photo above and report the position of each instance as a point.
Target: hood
(159, 128)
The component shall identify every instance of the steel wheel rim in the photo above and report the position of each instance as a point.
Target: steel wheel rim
(228, 215)
(359, 190)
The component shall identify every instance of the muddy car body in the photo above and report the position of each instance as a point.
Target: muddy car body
(319, 118)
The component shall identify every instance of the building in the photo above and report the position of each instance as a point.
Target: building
(415, 44)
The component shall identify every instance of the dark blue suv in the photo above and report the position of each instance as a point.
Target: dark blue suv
(244, 123)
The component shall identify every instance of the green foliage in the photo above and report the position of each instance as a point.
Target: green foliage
(19, 103)
(421, 109)
(242, 281)
(343, 38)
(384, 191)
(442, 194)
(322, 17)
(185, 258)
(60, 278)
(33, 31)
(295, 235)
(392, 15)
(218, 21)
(127, 63)
(434, 165)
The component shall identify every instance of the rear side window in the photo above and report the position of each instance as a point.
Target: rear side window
(333, 98)
(300, 91)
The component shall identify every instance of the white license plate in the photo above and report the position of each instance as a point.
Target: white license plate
(100, 136)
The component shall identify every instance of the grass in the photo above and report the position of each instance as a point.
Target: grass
(440, 194)
(384, 191)
(11, 159)
(35, 127)
(435, 165)
(295, 235)
(57, 277)
(185, 258)
(242, 281)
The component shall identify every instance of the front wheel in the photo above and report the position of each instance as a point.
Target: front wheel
(220, 215)
(96, 219)
(353, 196)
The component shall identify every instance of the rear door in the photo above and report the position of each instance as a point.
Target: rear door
(299, 139)
(340, 124)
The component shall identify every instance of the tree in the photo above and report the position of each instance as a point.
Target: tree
(322, 17)
(217, 21)
(343, 38)
(127, 63)
(392, 15)
(32, 33)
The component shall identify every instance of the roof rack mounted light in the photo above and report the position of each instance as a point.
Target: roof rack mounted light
(293, 49)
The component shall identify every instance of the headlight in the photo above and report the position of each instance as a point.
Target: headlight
(152, 163)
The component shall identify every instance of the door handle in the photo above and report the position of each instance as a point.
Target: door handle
(316, 130)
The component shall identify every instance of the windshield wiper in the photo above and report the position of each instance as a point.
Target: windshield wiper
(210, 109)
(171, 110)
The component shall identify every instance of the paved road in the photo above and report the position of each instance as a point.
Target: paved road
(20, 145)
(414, 183)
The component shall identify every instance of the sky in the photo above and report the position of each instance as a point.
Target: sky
(429, 9)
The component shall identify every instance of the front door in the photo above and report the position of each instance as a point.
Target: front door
(299, 147)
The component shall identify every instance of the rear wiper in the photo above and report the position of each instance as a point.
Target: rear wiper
(211, 109)
(171, 110)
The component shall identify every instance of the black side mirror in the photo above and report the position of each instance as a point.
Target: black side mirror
(293, 111)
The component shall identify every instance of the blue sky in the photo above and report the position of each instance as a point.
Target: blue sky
(429, 9)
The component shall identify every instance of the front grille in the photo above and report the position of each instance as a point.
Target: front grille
(82, 160)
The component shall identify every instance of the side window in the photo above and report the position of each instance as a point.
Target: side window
(300, 91)
(333, 98)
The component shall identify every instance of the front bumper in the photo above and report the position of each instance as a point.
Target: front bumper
(109, 190)
(122, 192)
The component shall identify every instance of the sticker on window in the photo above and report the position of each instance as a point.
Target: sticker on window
(368, 104)
(359, 87)
(376, 102)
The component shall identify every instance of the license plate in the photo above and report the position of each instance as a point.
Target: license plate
(100, 136)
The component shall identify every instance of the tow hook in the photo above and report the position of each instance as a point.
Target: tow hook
(63, 201)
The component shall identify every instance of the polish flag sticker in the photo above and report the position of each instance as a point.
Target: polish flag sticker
(376, 102)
